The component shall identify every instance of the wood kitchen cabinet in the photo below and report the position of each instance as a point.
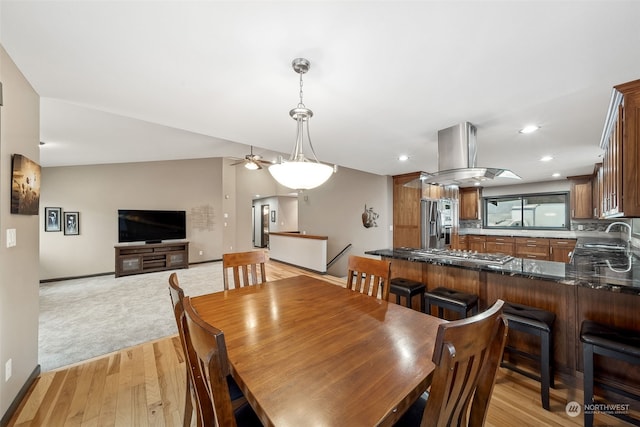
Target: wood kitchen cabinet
(560, 249)
(532, 248)
(476, 243)
(621, 145)
(500, 245)
(470, 203)
(597, 191)
(459, 242)
(581, 197)
(406, 211)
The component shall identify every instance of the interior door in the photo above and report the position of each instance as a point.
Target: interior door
(264, 242)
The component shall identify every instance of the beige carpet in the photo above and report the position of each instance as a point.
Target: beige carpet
(84, 318)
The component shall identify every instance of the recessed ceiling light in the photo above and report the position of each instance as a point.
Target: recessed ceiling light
(403, 158)
(529, 129)
(546, 158)
(556, 175)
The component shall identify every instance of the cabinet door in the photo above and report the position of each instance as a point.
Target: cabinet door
(129, 264)
(470, 203)
(406, 212)
(597, 191)
(581, 197)
(560, 250)
(461, 243)
(476, 243)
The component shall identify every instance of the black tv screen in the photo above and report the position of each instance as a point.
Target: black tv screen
(150, 226)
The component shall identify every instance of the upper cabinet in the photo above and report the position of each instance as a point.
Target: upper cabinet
(581, 197)
(406, 211)
(621, 144)
(470, 203)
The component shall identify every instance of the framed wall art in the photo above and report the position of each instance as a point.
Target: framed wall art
(25, 186)
(52, 219)
(71, 223)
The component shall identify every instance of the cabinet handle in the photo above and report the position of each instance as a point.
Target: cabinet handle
(573, 212)
(551, 250)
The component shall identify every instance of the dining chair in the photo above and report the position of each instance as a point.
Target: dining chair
(210, 375)
(467, 354)
(369, 276)
(177, 295)
(247, 268)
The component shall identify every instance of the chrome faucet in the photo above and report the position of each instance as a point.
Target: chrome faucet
(621, 223)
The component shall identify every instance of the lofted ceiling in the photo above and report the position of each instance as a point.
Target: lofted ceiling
(130, 81)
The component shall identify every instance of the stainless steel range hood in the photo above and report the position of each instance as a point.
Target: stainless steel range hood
(457, 153)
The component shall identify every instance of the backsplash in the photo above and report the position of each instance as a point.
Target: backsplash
(594, 225)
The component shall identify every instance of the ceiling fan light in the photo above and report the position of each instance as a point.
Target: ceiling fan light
(301, 175)
(251, 166)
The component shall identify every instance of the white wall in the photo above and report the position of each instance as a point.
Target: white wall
(19, 301)
(335, 210)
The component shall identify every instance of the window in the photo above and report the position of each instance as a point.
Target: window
(527, 211)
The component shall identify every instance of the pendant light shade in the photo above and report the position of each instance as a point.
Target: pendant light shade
(300, 172)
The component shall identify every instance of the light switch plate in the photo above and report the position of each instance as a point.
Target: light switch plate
(11, 237)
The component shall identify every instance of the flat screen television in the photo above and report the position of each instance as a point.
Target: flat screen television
(151, 226)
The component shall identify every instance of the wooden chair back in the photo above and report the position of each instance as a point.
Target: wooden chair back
(369, 276)
(247, 268)
(467, 354)
(177, 295)
(210, 371)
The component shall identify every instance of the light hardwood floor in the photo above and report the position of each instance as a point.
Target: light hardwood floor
(144, 386)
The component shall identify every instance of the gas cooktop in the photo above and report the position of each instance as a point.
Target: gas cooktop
(461, 255)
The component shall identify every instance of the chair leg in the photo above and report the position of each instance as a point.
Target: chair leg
(545, 362)
(398, 299)
(188, 405)
(587, 351)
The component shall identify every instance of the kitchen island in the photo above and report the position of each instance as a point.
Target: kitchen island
(600, 283)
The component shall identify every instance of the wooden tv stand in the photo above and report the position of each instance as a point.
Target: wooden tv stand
(145, 258)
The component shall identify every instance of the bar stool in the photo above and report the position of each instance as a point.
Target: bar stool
(607, 341)
(537, 322)
(407, 288)
(460, 302)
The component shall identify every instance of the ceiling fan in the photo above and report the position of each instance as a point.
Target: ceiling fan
(252, 161)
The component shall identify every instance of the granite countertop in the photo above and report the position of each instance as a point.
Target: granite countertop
(604, 266)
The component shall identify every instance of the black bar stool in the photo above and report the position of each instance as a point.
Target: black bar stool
(460, 302)
(607, 341)
(407, 288)
(537, 322)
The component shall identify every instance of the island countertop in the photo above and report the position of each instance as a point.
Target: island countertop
(597, 268)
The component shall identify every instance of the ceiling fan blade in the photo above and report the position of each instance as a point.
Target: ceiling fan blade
(238, 163)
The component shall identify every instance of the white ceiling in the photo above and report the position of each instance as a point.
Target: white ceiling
(128, 81)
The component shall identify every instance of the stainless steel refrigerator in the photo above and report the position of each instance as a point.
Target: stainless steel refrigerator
(436, 216)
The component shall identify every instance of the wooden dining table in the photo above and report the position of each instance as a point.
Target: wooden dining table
(307, 352)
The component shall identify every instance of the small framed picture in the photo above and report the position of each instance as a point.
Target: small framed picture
(71, 223)
(273, 216)
(52, 219)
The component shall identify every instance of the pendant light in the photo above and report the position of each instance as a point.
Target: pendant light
(300, 172)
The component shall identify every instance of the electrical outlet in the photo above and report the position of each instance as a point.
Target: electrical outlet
(201, 253)
(7, 370)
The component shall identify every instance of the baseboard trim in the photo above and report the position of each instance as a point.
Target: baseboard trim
(20, 397)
